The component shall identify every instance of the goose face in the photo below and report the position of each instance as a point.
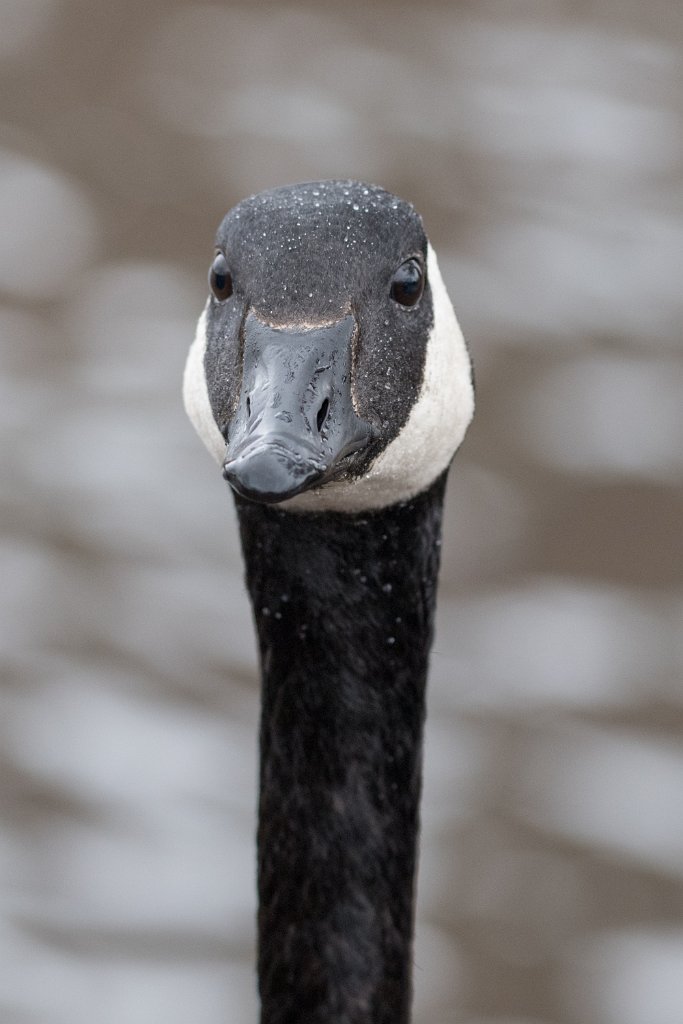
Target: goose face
(325, 327)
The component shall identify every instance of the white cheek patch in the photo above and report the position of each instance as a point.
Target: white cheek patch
(196, 395)
(430, 436)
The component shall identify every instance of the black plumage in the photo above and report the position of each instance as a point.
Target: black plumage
(344, 607)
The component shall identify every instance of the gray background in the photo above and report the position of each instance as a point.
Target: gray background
(542, 142)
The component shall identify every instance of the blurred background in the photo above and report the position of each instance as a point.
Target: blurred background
(542, 143)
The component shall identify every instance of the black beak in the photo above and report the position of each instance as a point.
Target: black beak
(295, 421)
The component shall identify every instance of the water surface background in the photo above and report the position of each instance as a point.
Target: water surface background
(542, 142)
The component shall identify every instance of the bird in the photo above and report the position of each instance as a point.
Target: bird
(330, 380)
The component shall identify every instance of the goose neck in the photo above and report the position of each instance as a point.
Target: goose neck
(344, 607)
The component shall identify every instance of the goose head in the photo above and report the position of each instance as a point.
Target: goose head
(328, 371)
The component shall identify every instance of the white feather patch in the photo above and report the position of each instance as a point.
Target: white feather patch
(196, 394)
(430, 436)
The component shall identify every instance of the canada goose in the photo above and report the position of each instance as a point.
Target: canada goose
(330, 380)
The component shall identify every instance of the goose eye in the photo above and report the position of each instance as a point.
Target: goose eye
(220, 280)
(408, 283)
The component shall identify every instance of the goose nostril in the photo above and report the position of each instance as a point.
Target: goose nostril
(322, 414)
(248, 406)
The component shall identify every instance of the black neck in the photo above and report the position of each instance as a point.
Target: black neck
(344, 608)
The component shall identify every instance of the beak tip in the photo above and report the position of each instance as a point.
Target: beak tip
(268, 475)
